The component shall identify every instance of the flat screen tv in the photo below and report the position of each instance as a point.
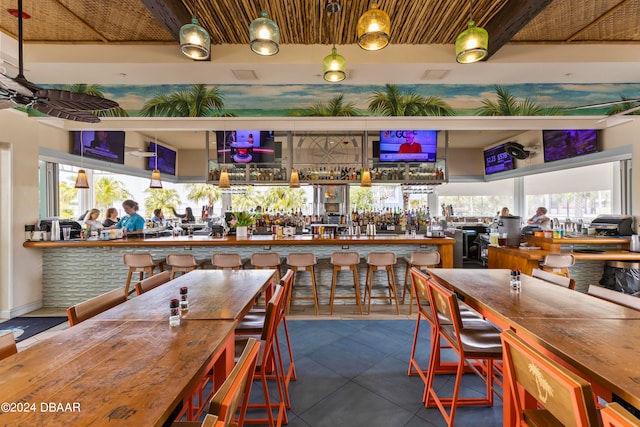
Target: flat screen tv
(496, 159)
(408, 145)
(106, 145)
(564, 144)
(166, 159)
(245, 146)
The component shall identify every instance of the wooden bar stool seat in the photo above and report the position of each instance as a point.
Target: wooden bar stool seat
(558, 263)
(7, 345)
(381, 261)
(271, 260)
(421, 261)
(345, 261)
(303, 262)
(183, 263)
(141, 262)
(227, 261)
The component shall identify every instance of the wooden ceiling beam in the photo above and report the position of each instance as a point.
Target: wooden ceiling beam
(513, 17)
(172, 14)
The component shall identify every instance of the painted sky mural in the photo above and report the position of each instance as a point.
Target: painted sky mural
(280, 100)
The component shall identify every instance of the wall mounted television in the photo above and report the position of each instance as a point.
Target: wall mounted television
(564, 144)
(408, 145)
(496, 159)
(106, 145)
(166, 159)
(245, 146)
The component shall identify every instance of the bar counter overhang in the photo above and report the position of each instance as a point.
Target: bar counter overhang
(76, 270)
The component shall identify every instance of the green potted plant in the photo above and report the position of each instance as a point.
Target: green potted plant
(242, 221)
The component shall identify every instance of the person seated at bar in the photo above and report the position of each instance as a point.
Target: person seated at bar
(91, 220)
(132, 223)
(187, 217)
(505, 212)
(540, 218)
(158, 218)
(111, 218)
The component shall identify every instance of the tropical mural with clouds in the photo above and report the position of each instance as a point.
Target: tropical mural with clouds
(291, 100)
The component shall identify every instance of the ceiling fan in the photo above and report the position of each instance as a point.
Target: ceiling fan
(137, 152)
(20, 92)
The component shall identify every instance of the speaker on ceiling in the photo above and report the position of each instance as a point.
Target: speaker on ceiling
(517, 151)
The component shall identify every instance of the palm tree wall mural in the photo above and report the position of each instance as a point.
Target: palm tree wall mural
(509, 105)
(336, 107)
(393, 102)
(197, 101)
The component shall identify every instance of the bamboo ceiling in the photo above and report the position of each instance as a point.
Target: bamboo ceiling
(307, 22)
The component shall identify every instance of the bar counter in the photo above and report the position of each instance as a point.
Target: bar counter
(76, 270)
(588, 267)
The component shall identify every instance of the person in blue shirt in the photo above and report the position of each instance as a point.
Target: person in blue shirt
(132, 222)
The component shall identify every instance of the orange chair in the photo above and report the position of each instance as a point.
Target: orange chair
(381, 261)
(253, 324)
(422, 261)
(419, 282)
(563, 398)
(614, 415)
(152, 282)
(234, 393)
(183, 263)
(478, 341)
(140, 262)
(7, 345)
(269, 366)
(87, 309)
(345, 261)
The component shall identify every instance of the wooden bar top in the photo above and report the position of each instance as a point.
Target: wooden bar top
(212, 295)
(381, 239)
(109, 373)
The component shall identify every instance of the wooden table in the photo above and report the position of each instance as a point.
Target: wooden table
(581, 332)
(488, 292)
(112, 373)
(213, 295)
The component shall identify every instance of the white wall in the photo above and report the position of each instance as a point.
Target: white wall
(21, 268)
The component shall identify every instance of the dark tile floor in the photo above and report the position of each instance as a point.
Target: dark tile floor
(354, 373)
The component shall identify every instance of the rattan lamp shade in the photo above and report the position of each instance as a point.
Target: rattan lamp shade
(224, 179)
(294, 180)
(156, 181)
(81, 179)
(365, 178)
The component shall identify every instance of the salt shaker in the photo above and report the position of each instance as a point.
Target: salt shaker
(174, 317)
(184, 302)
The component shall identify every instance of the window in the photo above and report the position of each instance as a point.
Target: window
(477, 199)
(578, 193)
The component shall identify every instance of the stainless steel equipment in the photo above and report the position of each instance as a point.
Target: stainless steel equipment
(510, 225)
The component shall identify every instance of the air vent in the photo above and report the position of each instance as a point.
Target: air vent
(245, 74)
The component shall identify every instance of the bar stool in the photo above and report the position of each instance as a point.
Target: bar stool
(345, 261)
(227, 261)
(303, 262)
(183, 263)
(140, 262)
(421, 261)
(381, 261)
(558, 263)
(262, 260)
